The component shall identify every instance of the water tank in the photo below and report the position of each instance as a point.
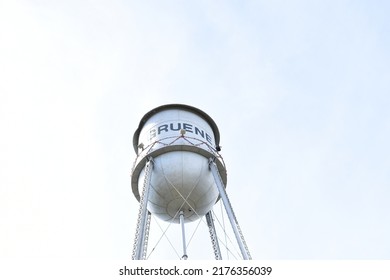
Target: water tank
(181, 139)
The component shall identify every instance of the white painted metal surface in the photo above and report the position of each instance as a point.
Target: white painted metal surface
(181, 139)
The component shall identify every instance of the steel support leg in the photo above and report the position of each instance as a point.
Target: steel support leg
(213, 236)
(146, 236)
(229, 210)
(143, 222)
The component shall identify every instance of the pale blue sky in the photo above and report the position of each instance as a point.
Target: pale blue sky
(300, 91)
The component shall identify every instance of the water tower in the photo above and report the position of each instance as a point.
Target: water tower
(179, 174)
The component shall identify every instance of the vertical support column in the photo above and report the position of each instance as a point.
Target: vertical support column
(213, 236)
(142, 229)
(146, 235)
(229, 210)
(184, 257)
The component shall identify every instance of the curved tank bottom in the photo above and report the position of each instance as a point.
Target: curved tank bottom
(180, 181)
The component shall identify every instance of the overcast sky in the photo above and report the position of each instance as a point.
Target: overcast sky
(300, 91)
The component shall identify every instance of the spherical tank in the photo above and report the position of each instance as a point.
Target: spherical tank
(181, 140)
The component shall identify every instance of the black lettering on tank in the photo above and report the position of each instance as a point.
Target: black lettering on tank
(187, 127)
(198, 131)
(175, 129)
(163, 127)
(208, 138)
(152, 133)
